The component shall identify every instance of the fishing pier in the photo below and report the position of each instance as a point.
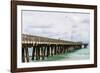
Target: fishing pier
(43, 47)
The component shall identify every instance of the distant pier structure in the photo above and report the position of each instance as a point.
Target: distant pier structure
(43, 47)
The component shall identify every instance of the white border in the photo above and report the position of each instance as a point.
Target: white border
(58, 63)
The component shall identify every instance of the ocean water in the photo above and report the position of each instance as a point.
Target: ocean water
(80, 54)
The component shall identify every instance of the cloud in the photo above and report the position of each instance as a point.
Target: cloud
(65, 26)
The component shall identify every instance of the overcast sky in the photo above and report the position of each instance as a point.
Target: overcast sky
(58, 25)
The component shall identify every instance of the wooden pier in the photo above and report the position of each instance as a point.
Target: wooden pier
(43, 47)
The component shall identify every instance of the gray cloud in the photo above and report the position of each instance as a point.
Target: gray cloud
(66, 26)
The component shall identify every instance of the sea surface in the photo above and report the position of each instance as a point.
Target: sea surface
(80, 54)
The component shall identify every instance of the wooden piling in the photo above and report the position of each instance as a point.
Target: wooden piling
(33, 52)
(23, 55)
(27, 55)
(51, 50)
(37, 52)
(45, 51)
(42, 52)
(48, 50)
(55, 49)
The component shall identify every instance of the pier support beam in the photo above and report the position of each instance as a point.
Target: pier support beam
(37, 52)
(48, 50)
(33, 53)
(25, 55)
